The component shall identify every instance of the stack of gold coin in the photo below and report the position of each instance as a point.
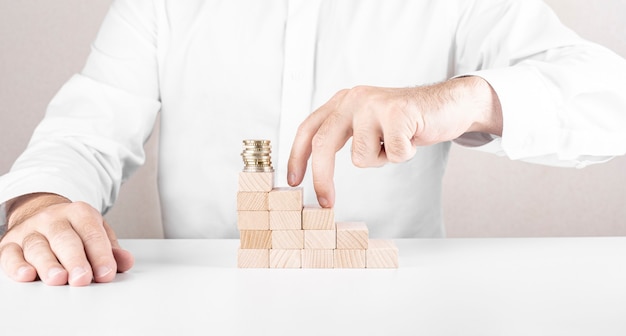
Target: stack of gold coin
(257, 156)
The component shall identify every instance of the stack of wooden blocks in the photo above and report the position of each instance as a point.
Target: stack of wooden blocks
(278, 231)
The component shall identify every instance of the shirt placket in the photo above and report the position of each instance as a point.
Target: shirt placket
(298, 77)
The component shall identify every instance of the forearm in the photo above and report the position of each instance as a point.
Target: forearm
(562, 97)
(556, 114)
(92, 136)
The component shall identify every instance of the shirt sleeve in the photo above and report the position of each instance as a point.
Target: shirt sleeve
(91, 138)
(562, 97)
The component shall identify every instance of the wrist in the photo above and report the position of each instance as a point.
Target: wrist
(484, 105)
(25, 206)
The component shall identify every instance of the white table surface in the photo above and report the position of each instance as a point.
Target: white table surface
(538, 286)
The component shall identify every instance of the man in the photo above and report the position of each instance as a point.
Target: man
(509, 78)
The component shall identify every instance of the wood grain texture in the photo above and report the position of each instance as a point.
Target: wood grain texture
(252, 201)
(381, 253)
(253, 220)
(285, 198)
(352, 235)
(253, 258)
(255, 182)
(320, 239)
(285, 258)
(349, 258)
(255, 239)
(318, 258)
(288, 239)
(285, 220)
(317, 218)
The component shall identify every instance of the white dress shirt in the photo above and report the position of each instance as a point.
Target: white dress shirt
(218, 72)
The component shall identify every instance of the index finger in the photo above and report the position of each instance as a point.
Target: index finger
(301, 147)
(330, 138)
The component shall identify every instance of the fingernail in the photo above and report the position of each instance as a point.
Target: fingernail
(77, 273)
(102, 271)
(54, 272)
(23, 271)
(323, 202)
(291, 178)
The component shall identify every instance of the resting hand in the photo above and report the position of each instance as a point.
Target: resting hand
(387, 124)
(61, 242)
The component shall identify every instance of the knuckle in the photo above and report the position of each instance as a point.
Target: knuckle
(46, 216)
(33, 240)
(373, 98)
(331, 124)
(307, 127)
(340, 95)
(60, 232)
(7, 248)
(82, 210)
(398, 149)
(11, 236)
(429, 136)
(319, 140)
(360, 152)
(84, 218)
(92, 236)
(304, 128)
(342, 92)
(359, 92)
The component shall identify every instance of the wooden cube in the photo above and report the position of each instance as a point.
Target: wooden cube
(316, 218)
(257, 258)
(349, 258)
(285, 198)
(288, 239)
(381, 253)
(253, 181)
(253, 220)
(252, 201)
(317, 258)
(285, 258)
(352, 235)
(286, 220)
(320, 239)
(255, 239)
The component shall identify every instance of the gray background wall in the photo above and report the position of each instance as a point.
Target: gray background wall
(42, 43)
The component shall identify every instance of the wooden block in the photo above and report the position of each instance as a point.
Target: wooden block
(255, 239)
(250, 182)
(318, 258)
(252, 201)
(288, 239)
(285, 198)
(352, 235)
(320, 239)
(253, 220)
(316, 218)
(285, 258)
(381, 253)
(349, 258)
(258, 258)
(286, 220)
